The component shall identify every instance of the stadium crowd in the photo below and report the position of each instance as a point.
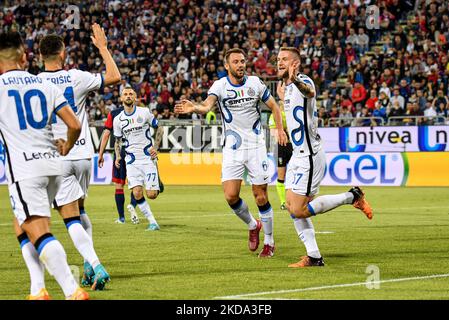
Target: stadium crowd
(168, 50)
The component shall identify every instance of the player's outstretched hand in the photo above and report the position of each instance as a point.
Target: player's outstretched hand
(184, 106)
(153, 153)
(282, 137)
(99, 37)
(100, 161)
(117, 163)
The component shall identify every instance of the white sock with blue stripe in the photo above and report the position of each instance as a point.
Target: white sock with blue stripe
(35, 267)
(52, 254)
(325, 203)
(306, 232)
(85, 221)
(146, 210)
(266, 216)
(241, 209)
(82, 241)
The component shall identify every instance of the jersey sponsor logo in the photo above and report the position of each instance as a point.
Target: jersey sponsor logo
(41, 155)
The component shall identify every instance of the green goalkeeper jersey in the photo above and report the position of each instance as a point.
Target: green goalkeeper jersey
(272, 123)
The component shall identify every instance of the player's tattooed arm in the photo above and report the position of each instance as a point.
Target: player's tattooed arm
(306, 89)
(117, 148)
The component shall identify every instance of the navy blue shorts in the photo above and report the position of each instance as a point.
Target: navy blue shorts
(119, 175)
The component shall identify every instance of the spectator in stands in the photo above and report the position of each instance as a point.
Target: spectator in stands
(380, 113)
(333, 116)
(370, 102)
(345, 117)
(324, 115)
(364, 119)
(396, 111)
(397, 97)
(358, 93)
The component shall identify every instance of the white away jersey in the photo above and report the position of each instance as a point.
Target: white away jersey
(76, 85)
(26, 108)
(134, 129)
(302, 119)
(239, 107)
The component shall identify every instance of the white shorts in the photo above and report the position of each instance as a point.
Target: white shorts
(82, 170)
(71, 189)
(254, 160)
(304, 174)
(143, 174)
(33, 197)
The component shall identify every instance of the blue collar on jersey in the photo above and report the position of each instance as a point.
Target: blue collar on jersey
(238, 85)
(135, 108)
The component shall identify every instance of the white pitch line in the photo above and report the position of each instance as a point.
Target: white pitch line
(345, 285)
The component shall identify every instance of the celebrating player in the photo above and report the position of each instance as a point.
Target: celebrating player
(76, 85)
(243, 142)
(118, 174)
(132, 130)
(33, 164)
(306, 167)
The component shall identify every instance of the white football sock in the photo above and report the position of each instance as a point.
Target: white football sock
(146, 210)
(35, 268)
(87, 225)
(53, 256)
(83, 243)
(267, 221)
(306, 232)
(329, 202)
(241, 210)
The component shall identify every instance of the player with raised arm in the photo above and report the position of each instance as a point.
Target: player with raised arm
(69, 201)
(118, 174)
(132, 130)
(33, 164)
(306, 167)
(243, 142)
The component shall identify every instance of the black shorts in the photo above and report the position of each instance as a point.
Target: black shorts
(119, 175)
(284, 154)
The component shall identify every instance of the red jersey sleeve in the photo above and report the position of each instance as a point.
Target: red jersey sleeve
(108, 123)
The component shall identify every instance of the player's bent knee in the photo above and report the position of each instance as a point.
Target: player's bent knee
(152, 194)
(261, 199)
(299, 212)
(138, 193)
(232, 198)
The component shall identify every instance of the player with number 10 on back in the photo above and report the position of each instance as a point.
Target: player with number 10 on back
(243, 142)
(33, 163)
(306, 168)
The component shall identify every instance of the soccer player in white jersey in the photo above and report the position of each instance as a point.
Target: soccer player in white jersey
(243, 142)
(69, 201)
(132, 130)
(33, 164)
(305, 170)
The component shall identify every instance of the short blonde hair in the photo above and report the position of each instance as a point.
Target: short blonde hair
(294, 50)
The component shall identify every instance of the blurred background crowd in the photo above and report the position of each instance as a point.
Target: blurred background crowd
(370, 67)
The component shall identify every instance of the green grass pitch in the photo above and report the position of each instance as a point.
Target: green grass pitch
(201, 250)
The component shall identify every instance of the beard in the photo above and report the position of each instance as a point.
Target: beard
(237, 74)
(283, 74)
(129, 102)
